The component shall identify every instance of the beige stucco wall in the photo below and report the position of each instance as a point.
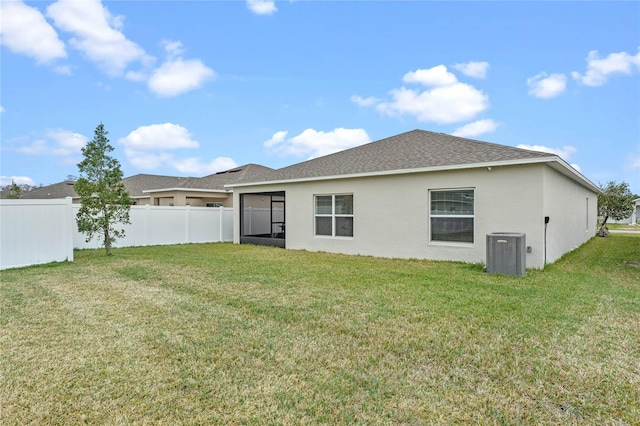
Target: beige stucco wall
(391, 213)
(142, 201)
(193, 198)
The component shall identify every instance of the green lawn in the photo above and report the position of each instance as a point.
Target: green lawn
(623, 226)
(228, 334)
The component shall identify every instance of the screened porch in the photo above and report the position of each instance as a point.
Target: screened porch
(262, 219)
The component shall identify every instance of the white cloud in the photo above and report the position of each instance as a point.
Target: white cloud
(148, 148)
(19, 180)
(56, 142)
(599, 69)
(278, 137)
(174, 48)
(437, 76)
(97, 34)
(313, 143)
(147, 160)
(2, 110)
(547, 86)
(473, 69)
(365, 102)
(177, 76)
(262, 7)
(197, 166)
(445, 101)
(577, 167)
(159, 137)
(451, 104)
(25, 30)
(634, 162)
(476, 128)
(565, 152)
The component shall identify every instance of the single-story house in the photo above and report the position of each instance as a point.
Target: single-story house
(420, 195)
(207, 191)
(160, 190)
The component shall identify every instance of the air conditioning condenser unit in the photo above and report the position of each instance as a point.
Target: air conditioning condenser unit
(506, 253)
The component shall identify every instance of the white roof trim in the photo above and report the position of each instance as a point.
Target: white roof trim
(219, 191)
(560, 165)
(566, 169)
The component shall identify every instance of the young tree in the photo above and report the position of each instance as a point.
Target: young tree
(13, 190)
(103, 197)
(615, 202)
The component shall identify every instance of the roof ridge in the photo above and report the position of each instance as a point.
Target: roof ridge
(411, 150)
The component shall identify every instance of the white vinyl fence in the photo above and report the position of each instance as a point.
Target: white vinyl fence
(35, 231)
(42, 231)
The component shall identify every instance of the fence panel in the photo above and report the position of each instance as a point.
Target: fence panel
(35, 231)
(227, 224)
(43, 231)
(159, 225)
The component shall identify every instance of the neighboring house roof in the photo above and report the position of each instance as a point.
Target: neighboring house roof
(57, 190)
(137, 184)
(410, 152)
(133, 184)
(216, 182)
(140, 185)
(220, 179)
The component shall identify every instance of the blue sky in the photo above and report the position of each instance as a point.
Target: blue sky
(192, 88)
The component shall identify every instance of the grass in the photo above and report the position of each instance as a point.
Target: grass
(228, 334)
(623, 226)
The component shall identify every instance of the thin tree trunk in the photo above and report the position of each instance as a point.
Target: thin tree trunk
(604, 231)
(107, 242)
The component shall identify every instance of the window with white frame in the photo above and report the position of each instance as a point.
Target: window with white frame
(334, 215)
(452, 215)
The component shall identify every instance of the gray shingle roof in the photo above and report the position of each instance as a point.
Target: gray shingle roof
(219, 180)
(142, 182)
(57, 190)
(137, 183)
(417, 149)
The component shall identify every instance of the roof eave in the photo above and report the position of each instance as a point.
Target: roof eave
(399, 171)
(219, 191)
(566, 169)
(560, 165)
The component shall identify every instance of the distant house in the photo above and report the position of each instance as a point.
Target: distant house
(57, 190)
(159, 190)
(420, 195)
(635, 214)
(202, 192)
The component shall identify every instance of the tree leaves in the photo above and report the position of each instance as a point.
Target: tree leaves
(104, 200)
(615, 202)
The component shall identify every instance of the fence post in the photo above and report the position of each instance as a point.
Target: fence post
(221, 222)
(70, 228)
(187, 223)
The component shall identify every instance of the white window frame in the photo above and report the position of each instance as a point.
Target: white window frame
(333, 215)
(455, 216)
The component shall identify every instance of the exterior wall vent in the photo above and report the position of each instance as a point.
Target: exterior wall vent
(506, 253)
